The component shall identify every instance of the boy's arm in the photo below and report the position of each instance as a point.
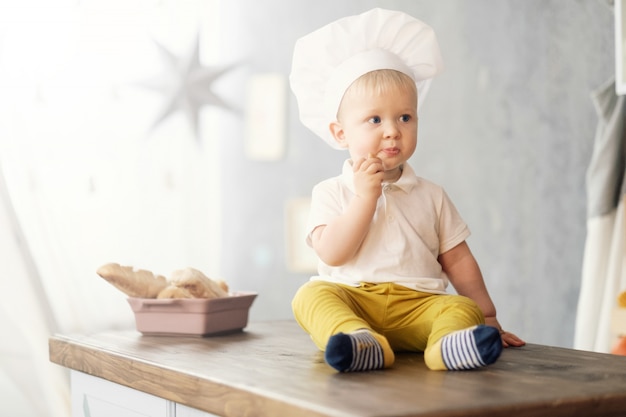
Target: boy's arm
(339, 240)
(464, 273)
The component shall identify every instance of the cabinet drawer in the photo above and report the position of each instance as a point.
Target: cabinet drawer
(184, 411)
(97, 397)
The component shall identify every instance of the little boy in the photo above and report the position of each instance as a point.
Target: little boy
(387, 240)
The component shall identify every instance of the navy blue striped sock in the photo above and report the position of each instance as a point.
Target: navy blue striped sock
(357, 351)
(471, 348)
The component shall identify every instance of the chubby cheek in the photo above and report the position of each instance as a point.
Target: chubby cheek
(410, 149)
(361, 149)
(410, 144)
(357, 153)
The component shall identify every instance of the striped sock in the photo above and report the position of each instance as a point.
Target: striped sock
(471, 348)
(358, 351)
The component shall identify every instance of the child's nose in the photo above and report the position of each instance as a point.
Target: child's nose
(391, 130)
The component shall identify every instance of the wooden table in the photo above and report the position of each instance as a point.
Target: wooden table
(273, 369)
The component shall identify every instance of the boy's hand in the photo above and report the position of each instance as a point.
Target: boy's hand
(368, 177)
(508, 339)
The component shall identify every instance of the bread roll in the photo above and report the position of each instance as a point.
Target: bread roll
(133, 282)
(198, 284)
(172, 291)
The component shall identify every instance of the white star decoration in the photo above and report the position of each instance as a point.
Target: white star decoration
(186, 85)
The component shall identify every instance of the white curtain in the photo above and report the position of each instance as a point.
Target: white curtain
(86, 179)
(604, 262)
(26, 322)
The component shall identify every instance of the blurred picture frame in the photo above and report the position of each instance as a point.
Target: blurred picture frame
(300, 257)
(620, 47)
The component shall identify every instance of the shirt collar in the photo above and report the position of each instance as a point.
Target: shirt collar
(406, 182)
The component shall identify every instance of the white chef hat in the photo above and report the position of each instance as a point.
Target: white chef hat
(328, 60)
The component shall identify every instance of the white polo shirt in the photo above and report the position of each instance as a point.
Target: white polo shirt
(415, 221)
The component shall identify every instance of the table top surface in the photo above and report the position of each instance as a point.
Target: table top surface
(274, 369)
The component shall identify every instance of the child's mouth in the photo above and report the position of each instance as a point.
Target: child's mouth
(391, 151)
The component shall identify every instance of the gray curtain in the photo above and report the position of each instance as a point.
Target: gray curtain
(604, 263)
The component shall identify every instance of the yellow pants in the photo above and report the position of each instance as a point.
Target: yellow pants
(409, 319)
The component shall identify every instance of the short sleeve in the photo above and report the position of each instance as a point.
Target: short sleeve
(452, 228)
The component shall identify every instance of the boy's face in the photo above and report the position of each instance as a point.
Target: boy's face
(383, 125)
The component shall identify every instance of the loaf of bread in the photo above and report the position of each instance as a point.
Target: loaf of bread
(172, 291)
(195, 283)
(183, 283)
(133, 282)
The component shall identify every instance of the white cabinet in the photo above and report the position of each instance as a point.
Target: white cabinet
(97, 397)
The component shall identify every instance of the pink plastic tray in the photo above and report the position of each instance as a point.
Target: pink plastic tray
(192, 316)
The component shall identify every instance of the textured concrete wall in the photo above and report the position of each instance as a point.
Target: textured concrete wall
(507, 130)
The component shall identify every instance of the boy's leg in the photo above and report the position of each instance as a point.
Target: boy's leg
(329, 313)
(459, 339)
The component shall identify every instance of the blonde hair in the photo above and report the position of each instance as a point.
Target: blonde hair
(379, 82)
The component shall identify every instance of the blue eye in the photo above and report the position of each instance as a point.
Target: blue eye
(405, 118)
(375, 119)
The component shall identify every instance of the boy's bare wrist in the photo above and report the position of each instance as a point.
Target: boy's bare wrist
(367, 199)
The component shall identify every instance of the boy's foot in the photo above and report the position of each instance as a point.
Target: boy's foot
(358, 351)
(471, 348)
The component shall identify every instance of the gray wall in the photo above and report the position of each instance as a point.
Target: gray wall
(507, 130)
